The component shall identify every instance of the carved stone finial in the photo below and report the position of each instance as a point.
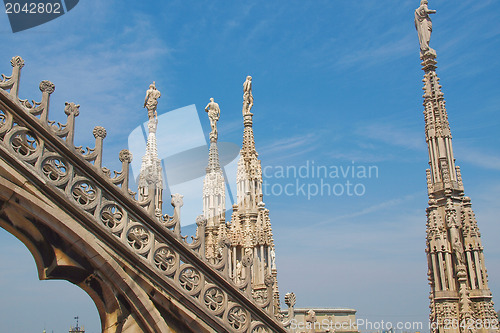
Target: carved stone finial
(17, 61)
(125, 156)
(177, 200)
(72, 108)
(201, 221)
(290, 299)
(47, 86)
(99, 132)
(269, 281)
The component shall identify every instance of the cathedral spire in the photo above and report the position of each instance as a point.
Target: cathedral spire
(249, 175)
(456, 269)
(214, 196)
(250, 229)
(150, 178)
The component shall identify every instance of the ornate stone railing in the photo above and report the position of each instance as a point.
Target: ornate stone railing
(76, 176)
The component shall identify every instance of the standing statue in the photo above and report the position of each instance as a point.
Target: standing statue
(151, 100)
(273, 259)
(213, 111)
(247, 96)
(239, 272)
(459, 251)
(423, 24)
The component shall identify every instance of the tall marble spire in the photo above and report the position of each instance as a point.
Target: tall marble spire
(250, 230)
(249, 175)
(456, 263)
(214, 194)
(150, 178)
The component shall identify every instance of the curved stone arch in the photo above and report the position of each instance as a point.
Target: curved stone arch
(73, 254)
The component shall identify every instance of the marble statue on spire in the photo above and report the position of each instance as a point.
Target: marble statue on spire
(150, 178)
(213, 111)
(247, 96)
(151, 100)
(423, 24)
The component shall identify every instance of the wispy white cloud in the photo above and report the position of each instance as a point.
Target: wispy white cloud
(393, 134)
(289, 147)
(373, 208)
(478, 157)
(360, 155)
(375, 54)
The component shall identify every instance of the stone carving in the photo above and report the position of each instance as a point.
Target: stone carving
(125, 156)
(239, 272)
(189, 279)
(71, 108)
(165, 259)
(311, 316)
(151, 100)
(213, 111)
(99, 132)
(247, 260)
(290, 299)
(458, 249)
(201, 221)
(177, 200)
(24, 143)
(237, 317)
(112, 216)
(47, 86)
(423, 24)
(260, 329)
(84, 193)
(269, 280)
(247, 96)
(273, 258)
(259, 296)
(54, 168)
(214, 299)
(138, 238)
(17, 61)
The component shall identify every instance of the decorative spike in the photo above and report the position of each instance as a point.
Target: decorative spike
(12, 82)
(47, 88)
(99, 135)
(125, 157)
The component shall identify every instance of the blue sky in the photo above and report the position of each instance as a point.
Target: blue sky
(334, 82)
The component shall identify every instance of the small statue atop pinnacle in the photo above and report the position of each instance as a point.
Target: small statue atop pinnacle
(151, 100)
(213, 111)
(247, 96)
(423, 24)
